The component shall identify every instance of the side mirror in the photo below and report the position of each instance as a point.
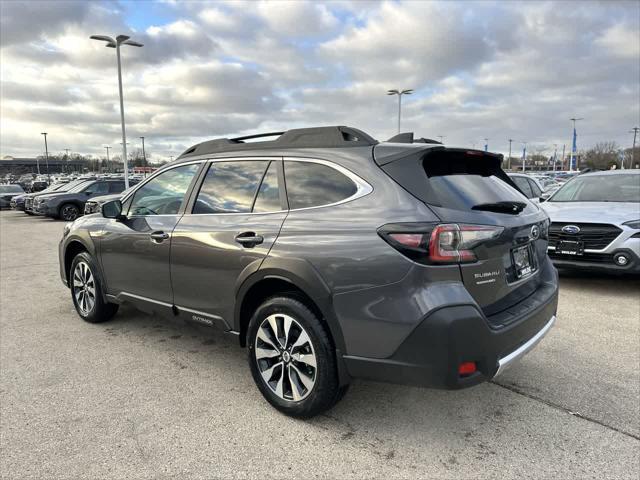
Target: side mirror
(543, 199)
(112, 209)
(88, 193)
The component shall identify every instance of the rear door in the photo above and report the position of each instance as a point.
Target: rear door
(468, 188)
(231, 223)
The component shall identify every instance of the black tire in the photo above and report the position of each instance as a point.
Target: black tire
(325, 392)
(100, 311)
(69, 212)
(28, 213)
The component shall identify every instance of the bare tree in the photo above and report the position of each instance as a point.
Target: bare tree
(602, 156)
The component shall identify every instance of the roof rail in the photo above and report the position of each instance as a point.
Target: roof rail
(316, 137)
(407, 137)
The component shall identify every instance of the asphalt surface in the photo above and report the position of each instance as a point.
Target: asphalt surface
(143, 397)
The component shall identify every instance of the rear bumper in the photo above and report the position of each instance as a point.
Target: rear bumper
(431, 355)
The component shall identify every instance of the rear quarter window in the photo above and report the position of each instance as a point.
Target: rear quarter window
(312, 184)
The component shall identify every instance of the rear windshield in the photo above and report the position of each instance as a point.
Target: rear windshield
(464, 181)
(600, 188)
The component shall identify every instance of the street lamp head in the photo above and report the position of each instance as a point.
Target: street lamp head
(392, 92)
(407, 92)
(122, 38)
(132, 43)
(103, 38)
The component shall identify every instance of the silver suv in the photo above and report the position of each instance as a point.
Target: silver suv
(329, 256)
(596, 222)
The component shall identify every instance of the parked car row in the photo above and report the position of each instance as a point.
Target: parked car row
(66, 201)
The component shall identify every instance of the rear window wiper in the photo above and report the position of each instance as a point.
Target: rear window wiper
(513, 208)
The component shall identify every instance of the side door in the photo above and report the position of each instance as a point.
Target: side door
(230, 224)
(135, 251)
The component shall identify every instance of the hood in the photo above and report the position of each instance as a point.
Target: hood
(47, 196)
(592, 212)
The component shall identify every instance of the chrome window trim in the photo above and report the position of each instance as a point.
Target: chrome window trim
(362, 187)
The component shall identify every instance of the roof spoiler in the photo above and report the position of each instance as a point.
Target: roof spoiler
(407, 137)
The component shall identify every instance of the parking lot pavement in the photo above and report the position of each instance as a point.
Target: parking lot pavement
(142, 397)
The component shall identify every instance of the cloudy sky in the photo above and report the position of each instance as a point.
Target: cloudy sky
(208, 69)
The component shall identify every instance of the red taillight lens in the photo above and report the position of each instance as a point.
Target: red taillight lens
(454, 243)
(413, 240)
(446, 243)
(466, 368)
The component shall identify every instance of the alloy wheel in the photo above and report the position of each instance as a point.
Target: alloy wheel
(285, 357)
(69, 213)
(84, 288)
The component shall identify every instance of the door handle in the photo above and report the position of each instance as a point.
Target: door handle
(158, 237)
(249, 239)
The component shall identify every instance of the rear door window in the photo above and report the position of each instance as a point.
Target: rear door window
(230, 187)
(312, 184)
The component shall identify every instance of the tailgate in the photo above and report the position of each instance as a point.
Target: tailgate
(469, 188)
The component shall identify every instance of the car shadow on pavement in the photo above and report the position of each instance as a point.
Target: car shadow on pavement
(622, 284)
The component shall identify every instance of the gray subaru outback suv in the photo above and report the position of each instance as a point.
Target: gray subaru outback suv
(330, 256)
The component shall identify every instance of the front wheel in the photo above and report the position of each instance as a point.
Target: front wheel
(86, 291)
(69, 212)
(292, 358)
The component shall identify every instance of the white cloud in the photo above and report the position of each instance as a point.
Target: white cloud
(621, 41)
(479, 69)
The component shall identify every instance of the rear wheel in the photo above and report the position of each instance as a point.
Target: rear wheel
(292, 359)
(69, 212)
(86, 291)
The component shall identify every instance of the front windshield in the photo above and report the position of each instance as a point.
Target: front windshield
(600, 188)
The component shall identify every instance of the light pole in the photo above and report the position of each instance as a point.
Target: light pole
(633, 149)
(144, 157)
(46, 156)
(66, 158)
(399, 93)
(441, 137)
(555, 155)
(574, 148)
(510, 142)
(486, 144)
(111, 43)
(107, 148)
(125, 161)
(524, 155)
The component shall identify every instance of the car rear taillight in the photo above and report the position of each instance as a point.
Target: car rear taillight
(445, 243)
